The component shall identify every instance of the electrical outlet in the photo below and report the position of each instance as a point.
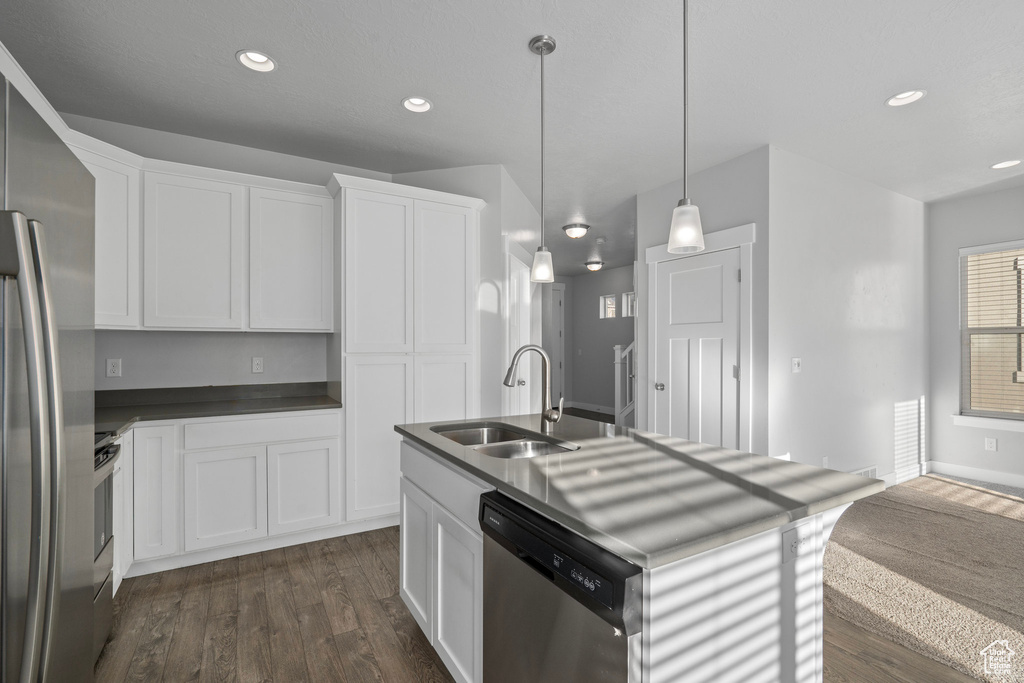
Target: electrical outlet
(797, 541)
(113, 367)
(991, 444)
(257, 364)
(797, 364)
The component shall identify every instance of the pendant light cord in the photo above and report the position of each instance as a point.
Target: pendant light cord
(542, 52)
(686, 98)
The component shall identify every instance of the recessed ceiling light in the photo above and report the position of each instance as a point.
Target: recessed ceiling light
(575, 230)
(417, 104)
(1006, 164)
(594, 265)
(257, 61)
(905, 98)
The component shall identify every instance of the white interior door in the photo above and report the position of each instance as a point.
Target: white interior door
(517, 399)
(697, 345)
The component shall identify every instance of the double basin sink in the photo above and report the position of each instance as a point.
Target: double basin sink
(499, 440)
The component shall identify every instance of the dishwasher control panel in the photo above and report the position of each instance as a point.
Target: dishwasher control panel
(527, 544)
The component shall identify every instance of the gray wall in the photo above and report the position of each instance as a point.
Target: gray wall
(590, 343)
(729, 195)
(967, 221)
(191, 359)
(184, 149)
(846, 295)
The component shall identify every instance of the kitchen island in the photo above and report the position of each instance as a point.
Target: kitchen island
(730, 544)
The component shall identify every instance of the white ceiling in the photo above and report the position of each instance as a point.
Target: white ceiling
(810, 76)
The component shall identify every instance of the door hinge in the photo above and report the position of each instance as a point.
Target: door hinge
(739, 276)
(735, 372)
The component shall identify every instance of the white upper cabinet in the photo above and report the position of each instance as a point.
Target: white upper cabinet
(379, 272)
(117, 240)
(194, 232)
(291, 281)
(445, 273)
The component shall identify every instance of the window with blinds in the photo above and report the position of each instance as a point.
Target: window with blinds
(992, 331)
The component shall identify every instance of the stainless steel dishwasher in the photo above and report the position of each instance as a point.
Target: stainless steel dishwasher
(556, 606)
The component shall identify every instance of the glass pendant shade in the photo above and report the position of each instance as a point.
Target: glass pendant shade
(543, 270)
(685, 236)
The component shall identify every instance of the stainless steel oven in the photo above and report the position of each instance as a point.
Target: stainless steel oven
(105, 455)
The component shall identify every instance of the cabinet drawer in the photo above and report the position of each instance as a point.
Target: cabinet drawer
(460, 493)
(199, 435)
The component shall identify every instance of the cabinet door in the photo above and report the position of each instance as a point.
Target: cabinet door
(445, 388)
(416, 553)
(445, 271)
(117, 240)
(124, 545)
(378, 395)
(303, 485)
(225, 497)
(194, 252)
(291, 246)
(378, 272)
(155, 492)
(458, 596)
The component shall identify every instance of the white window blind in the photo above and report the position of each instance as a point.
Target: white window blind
(992, 331)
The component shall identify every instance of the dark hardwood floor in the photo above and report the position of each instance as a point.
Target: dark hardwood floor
(320, 612)
(329, 611)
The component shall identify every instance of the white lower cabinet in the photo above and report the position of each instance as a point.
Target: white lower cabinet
(155, 492)
(441, 577)
(225, 497)
(303, 485)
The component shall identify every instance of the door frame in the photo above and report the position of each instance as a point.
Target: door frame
(741, 237)
(515, 251)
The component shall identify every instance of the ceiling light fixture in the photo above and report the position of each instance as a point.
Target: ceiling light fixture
(1006, 164)
(905, 98)
(685, 235)
(575, 230)
(257, 61)
(543, 270)
(417, 104)
(594, 265)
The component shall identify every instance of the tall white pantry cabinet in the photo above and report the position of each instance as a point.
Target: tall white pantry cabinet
(410, 332)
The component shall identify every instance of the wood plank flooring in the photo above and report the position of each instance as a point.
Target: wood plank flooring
(321, 612)
(329, 611)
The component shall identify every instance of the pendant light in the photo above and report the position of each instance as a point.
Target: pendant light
(685, 235)
(543, 270)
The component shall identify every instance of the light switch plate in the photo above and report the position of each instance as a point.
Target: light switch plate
(798, 364)
(113, 367)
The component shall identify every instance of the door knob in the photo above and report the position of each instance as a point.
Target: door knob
(521, 383)
(660, 386)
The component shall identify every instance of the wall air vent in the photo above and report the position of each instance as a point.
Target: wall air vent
(869, 472)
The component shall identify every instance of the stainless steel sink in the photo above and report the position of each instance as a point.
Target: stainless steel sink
(475, 436)
(498, 440)
(525, 448)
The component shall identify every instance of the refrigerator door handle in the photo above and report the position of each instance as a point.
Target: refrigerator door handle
(16, 244)
(58, 478)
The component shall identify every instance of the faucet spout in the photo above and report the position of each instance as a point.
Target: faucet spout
(549, 415)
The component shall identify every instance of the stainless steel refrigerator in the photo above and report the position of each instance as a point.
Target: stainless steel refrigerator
(46, 401)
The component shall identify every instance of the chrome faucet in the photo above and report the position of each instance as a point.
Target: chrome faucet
(549, 415)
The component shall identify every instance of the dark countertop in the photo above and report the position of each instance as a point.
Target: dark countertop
(649, 498)
(118, 410)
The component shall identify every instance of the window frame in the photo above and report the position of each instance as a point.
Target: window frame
(967, 332)
(602, 300)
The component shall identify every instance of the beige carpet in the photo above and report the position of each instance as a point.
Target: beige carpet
(935, 565)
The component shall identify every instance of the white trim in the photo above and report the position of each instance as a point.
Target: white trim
(161, 564)
(991, 476)
(594, 407)
(219, 175)
(713, 241)
(339, 181)
(988, 248)
(81, 141)
(518, 252)
(17, 77)
(741, 237)
(992, 423)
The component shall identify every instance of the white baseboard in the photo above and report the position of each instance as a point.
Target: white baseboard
(991, 476)
(590, 406)
(161, 564)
